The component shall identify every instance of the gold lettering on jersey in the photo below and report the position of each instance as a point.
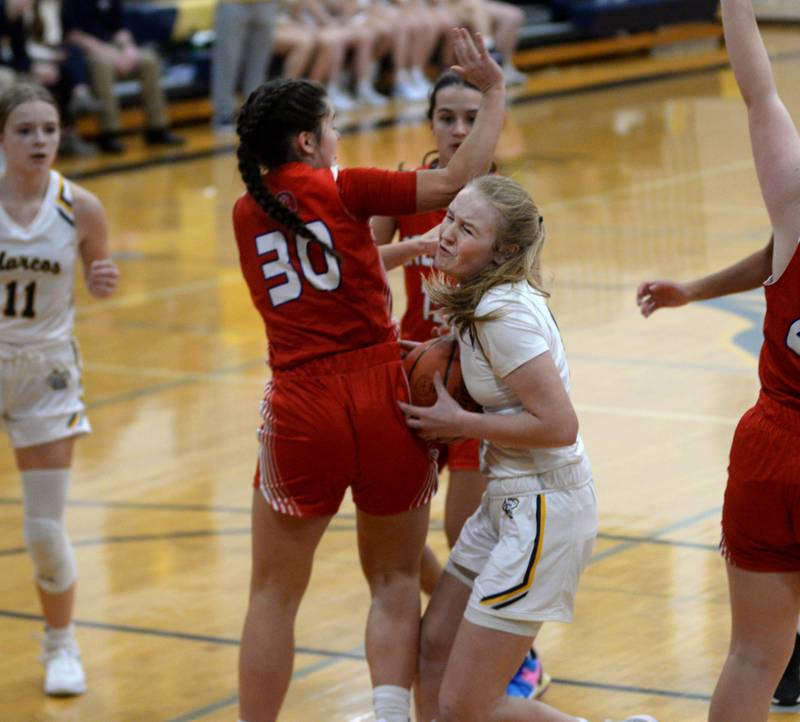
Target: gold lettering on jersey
(28, 263)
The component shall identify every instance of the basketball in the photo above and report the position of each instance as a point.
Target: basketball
(437, 354)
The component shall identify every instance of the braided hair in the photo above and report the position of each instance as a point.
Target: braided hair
(267, 124)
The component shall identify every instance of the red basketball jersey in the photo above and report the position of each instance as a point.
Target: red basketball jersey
(314, 305)
(779, 363)
(417, 323)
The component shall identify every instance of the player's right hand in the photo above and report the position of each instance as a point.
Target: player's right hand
(652, 295)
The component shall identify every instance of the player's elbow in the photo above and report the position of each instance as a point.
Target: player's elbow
(565, 431)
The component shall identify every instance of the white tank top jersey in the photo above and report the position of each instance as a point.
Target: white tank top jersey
(37, 271)
(524, 329)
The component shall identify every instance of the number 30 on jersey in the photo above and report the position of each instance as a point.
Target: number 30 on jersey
(291, 288)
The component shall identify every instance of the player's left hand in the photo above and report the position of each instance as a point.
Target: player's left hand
(440, 422)
(102, 278)
(475, 64)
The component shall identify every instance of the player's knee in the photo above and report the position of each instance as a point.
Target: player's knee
(51, 553)
(434, 643)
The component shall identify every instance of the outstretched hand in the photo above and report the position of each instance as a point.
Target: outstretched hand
(474, 63)
(652, 295)
(440, 422)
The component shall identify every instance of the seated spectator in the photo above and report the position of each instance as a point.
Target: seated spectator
(55, 75)
(314, 44)
(500, 24)
(242, 49)
(95, 27)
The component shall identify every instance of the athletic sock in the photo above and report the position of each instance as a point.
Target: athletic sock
(391, 703)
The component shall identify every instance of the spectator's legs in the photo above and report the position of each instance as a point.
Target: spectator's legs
(258, 51)
(101, 74)
(230, 25)
(6, 78)
(155, 101)
(296, 44)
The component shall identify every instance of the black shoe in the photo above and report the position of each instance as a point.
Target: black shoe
(162, 136)
(110, 143)
(73, 146)
(787, 693)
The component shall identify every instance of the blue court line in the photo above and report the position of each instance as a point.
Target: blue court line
(233, 699)
(17, 501)
(322, 664)
(172, 634)
(654, 537)
(136, 538)
(661, 542)
(633, 690)
(204, 533)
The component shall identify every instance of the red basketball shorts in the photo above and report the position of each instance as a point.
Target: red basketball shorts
(461, 456)
(334, 423)
(761, 514)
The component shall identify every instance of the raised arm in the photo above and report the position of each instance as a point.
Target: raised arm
(744, 275)
(774, 138)
(436, 188)
(99, 271)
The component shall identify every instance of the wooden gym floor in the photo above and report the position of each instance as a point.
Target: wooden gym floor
(637, 179)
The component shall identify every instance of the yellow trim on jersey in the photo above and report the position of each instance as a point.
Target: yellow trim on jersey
(520, 590)
(64, 203)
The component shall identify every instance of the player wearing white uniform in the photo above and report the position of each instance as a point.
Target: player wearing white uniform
(519, 557)
(46, 224)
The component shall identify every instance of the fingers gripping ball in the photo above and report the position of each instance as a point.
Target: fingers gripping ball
(437, 354)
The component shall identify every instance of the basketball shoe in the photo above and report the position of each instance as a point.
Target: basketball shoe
(63, 671)
(530, 681)
(787, 694)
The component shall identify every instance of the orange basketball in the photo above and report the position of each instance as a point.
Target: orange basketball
(437, 354)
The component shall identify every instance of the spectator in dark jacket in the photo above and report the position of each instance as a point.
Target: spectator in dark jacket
(95, 26)
(61, 78)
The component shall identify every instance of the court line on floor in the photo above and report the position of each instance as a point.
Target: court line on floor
(657, 415)
(174, 634)
(655, 536)
(334, 527)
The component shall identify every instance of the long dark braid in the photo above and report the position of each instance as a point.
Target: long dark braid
(268, 122)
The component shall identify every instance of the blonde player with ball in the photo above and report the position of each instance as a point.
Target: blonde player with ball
(518, 559)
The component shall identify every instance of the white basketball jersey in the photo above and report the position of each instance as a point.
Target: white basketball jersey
(37, 271)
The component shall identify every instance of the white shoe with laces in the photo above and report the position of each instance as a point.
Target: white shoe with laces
(63, 675)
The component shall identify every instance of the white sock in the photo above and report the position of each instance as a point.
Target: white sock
(391, 703)
(62, 635)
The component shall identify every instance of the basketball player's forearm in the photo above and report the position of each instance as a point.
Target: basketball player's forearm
(748, 56)
(744, 275)
(396, 254)
(521, 430)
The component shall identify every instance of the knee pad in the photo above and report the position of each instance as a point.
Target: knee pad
(52, 554)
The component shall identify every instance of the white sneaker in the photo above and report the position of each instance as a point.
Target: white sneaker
(63, 675)
(341, 100)
(640, 718)
(367, 95)
(420, 82)
(406, 91)
(514, 77)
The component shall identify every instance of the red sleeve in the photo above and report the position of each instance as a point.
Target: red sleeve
(369, 192)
